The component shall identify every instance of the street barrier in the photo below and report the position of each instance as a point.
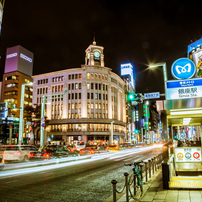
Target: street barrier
(147, 170)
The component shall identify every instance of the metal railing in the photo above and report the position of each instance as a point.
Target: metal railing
(147, 170)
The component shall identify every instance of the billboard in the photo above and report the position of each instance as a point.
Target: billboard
(19, 59)
(183, 89)
(127, 69)
(194, 53)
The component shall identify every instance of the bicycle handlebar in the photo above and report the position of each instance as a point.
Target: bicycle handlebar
(133, 164)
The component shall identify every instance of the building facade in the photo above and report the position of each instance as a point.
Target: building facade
(83, 103)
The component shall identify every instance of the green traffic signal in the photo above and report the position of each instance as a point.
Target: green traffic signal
(131, 97)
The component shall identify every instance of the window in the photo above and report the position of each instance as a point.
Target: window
(68, 105)
(99, 76)
(103, 96)
(62, 87)
(106, 97)
(79, 85)
(88, 95)
(72, 86)
(75, 105)
(72, 96)
(99, 106)
(80, 76)
(76, 76)
(99, 86)
(91, 85)
(69, 86)
(106, 87)
(99, 96)
(91, 116)
(69, 77)
(96, 96)
(69, 97)
(92, 76)
(88, 86)
(92, 106)
(38, 82)
(88, 105)
(96, 86)
(95, 76)
(79, 95)
(76, 96)
(88, 75)
(46, 90)
(100, 116)
(96, 106)
(103, 87)
(91, 95)
(76, 85)
(72, 76)
(38, 91)
(72, 105)
(103, 106)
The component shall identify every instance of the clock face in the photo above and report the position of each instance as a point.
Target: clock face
(96, 54)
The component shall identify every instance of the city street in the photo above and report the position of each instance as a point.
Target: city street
(80, 180)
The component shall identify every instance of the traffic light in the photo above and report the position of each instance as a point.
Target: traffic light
(131, 97)
(136, 131)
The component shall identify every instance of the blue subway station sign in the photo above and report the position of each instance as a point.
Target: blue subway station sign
(183, 68)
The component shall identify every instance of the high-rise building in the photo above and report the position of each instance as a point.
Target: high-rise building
(95, 97)
(18, 70)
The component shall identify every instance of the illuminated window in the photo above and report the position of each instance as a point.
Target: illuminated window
(88, 75)
(76, 116)
(80, 76)
(69, 115)
(95, 105)
(76, 86)
(75, 105)
(68, 105)
(61, 106)
(106, 77)
(88, 86)
(99, 76)
(103, 106)
(92, 116)
(95, 76)
(96, 96)
(62, 87)
(103, 116)
(79, 105)
(100, 116)
(88, 115)
(103, 77)
(92, 76)
(72, 116)
(99, 106)
(92, 105)
(72, 105)
(96, 115)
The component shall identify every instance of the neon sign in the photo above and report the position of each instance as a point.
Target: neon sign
(25, 57)
(11, 55)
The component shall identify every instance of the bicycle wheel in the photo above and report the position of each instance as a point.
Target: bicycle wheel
(139, 186)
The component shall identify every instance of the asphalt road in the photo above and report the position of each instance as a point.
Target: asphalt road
(82, 182)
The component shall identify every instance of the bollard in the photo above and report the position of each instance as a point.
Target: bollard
(114, 190)
(152, 165)
(165, 175)
(126, 181)
(149, 168)
(155, 163)
(135, 176)
(146, 177)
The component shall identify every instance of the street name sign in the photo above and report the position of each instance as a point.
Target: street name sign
(154, 95)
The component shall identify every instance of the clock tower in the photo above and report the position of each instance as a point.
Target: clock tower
(94, 55)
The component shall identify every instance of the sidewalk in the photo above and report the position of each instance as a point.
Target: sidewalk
(153, 191)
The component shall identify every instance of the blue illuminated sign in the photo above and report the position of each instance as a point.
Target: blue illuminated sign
(183, 68)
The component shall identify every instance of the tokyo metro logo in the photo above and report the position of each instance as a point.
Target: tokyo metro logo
(183, 68)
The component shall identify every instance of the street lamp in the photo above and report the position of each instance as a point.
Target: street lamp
(21, 123)
(163, 64)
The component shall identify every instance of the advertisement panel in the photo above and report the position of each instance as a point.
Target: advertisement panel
(183, 89)
(188, 154)
(127, 69)
(194, 53)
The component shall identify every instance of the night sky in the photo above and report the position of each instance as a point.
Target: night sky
(140, 32)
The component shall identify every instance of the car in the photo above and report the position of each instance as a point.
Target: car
(2, 163)
(103, 149)
(14, 152)
(140, 144)
(89, 149)
(35, 153)
(55, 151)
(80, 145)
(113, 148)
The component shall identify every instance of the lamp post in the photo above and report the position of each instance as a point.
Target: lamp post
(21, 123)
(45, 97)
(163, 64)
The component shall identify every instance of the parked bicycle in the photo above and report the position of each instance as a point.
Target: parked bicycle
(136, 179)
